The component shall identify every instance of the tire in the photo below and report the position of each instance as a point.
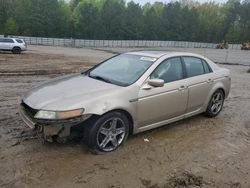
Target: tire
(215, 104)
(107, 133)
(16, 50)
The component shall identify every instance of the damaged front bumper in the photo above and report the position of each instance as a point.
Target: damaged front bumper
(49, 129)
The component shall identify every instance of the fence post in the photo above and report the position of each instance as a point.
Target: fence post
(226, 58)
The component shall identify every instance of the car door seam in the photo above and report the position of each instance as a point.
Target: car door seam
(219, 78)
(197, 84)
(161, 93)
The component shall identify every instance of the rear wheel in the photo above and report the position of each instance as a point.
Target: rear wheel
(215, 104)
(16, 50)
(107, 132)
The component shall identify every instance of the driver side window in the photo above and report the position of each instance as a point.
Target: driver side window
(169, 70)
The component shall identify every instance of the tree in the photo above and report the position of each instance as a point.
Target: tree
(211, 21)
(233, 34)
(133, 21)
(113, 19)
(184, 20)
(66, 22)
(73, 4)
(10, 27)
(5, 13)
(244, 20)
(88, 21)
(231, 28)
(151, 22)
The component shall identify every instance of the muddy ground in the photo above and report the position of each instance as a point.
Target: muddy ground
(198, 151)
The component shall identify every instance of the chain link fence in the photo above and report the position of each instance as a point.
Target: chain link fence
(79, 43)
(233, 55)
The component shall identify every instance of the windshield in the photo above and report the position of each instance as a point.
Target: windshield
(122, 70)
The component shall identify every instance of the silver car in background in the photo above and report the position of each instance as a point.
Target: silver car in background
(126, 94)
(15, 45)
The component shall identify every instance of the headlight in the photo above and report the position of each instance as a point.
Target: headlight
(43, 114)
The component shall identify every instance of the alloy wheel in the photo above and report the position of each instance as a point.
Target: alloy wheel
(217, 102)
(111, 134)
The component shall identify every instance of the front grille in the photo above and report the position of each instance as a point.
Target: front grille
(28, 110)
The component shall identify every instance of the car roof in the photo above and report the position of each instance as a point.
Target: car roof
(158, 54)
(155, 54)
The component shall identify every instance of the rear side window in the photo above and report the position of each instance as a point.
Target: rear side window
(19, 41)
(169, 70)
(207, 69)
(194, 66)
(6, 41)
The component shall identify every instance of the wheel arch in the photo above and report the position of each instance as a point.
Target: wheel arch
(217, 86)
(128, 115)
(16, 47)
(222, 89)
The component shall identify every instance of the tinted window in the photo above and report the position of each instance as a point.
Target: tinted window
(207, 69)
(194, 66)
(6, 40)
(19, 41)
(169, 70)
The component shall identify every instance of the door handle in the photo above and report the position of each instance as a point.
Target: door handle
(182, 88)
(209, 80)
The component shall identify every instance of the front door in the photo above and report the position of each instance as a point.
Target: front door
(157, 104)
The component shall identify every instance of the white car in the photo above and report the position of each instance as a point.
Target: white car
(16, 46)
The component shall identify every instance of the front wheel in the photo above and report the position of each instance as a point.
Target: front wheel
(107, 132)
(215, 104)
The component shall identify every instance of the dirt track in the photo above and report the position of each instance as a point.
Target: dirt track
(194, 152)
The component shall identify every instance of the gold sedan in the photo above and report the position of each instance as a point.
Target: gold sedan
(126, 94)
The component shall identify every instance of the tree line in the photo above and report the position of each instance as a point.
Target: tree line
(184, 20)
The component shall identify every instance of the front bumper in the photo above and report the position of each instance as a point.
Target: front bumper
(47, 129)
(27, 120)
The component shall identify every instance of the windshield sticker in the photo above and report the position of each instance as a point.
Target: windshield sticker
(147, 58)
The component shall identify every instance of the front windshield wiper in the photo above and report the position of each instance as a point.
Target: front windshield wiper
(100, 78)
(86, 72)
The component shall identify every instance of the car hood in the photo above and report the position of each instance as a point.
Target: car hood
(67, 93)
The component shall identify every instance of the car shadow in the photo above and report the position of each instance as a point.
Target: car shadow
(10, 53)
(77, 139)
(170, 126)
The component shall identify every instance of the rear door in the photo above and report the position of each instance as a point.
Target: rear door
(199, 78)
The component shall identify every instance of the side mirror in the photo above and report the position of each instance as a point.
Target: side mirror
(156, 82)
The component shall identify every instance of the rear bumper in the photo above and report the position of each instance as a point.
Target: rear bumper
(24, 48)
